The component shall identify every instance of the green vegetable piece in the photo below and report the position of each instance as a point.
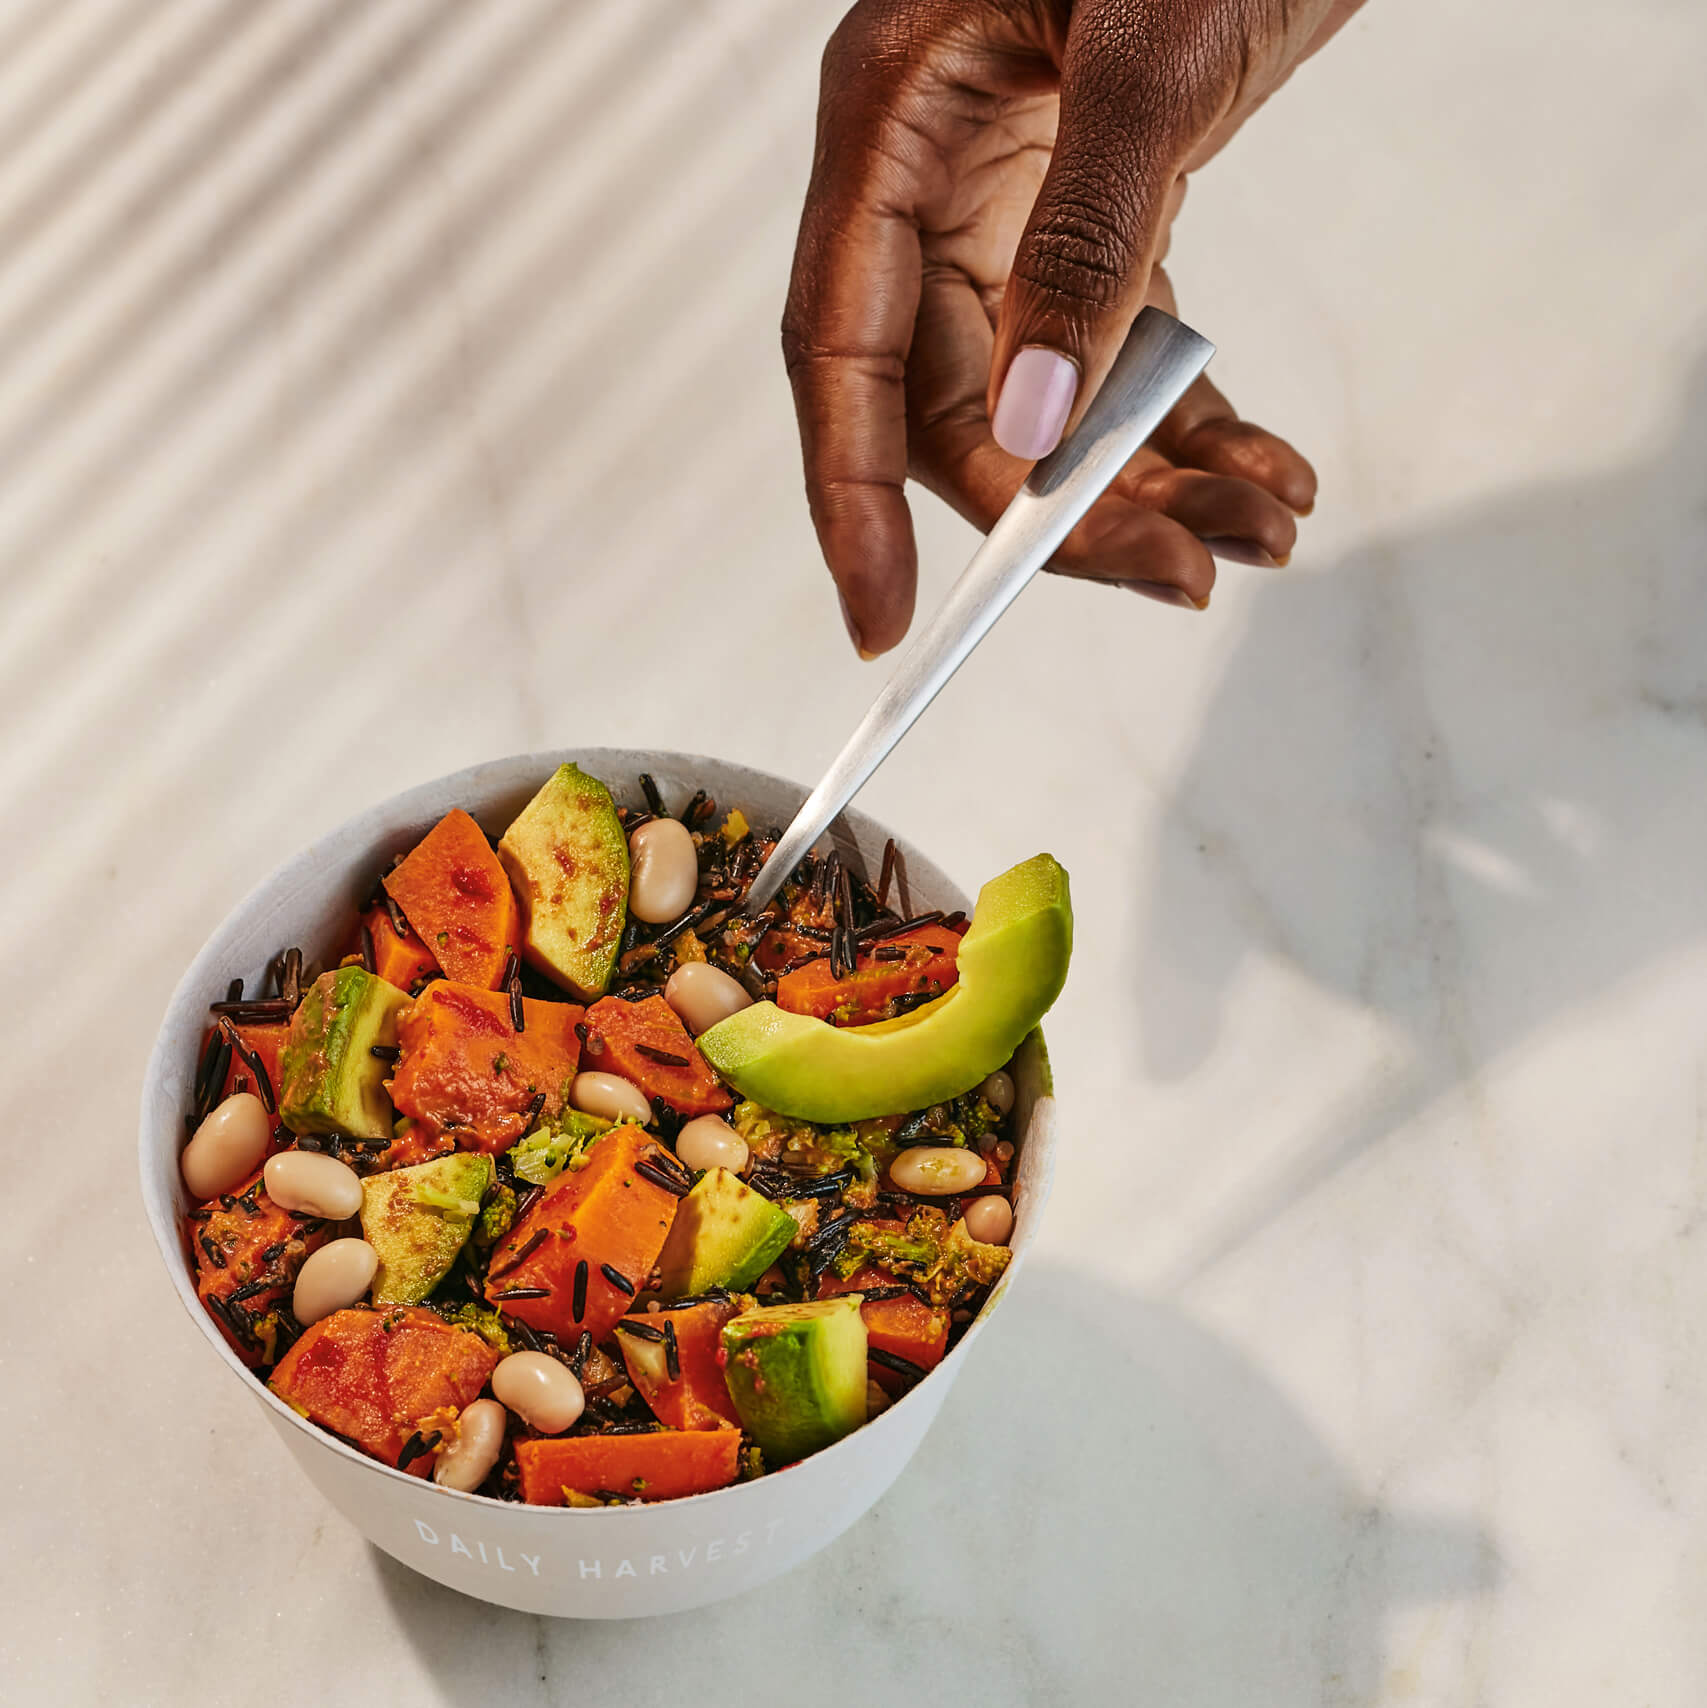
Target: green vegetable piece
(1013, 962)
(418, 1219)
(544, 1154)
(489, 1325)
(332, 1082)
(497, 1216)
(567, 861)
(797, 1374)
(725, 1235)
(943, 1262)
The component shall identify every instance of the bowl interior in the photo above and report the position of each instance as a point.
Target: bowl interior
(312, 900)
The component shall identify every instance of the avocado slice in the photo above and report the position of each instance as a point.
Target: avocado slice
(725, 1235)
(331, 1081)
(1013, 962)
(418, 1219)
(797, 1374)
(567, 860)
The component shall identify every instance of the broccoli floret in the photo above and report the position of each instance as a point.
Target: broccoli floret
(487, 1324)
(751, 1463)
(966, 1263)
(943, 1261)
(544, 1154)
(974, 1118)
(913, 1253)
(865, 1147)
(497, 1216)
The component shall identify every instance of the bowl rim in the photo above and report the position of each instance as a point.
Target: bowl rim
(203, 973)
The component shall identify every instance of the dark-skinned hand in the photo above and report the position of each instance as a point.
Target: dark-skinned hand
(992, 193)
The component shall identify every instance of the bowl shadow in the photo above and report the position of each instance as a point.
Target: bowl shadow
(1113, 1506)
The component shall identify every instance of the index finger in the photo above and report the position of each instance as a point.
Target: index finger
(845, 334)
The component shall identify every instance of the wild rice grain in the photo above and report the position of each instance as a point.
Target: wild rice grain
(651, 1171)
(894, 1361)
(534, 1241)
(887, 873)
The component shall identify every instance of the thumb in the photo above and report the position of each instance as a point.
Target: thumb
(1083, 264)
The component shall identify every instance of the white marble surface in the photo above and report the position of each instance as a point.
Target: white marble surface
(369, 375)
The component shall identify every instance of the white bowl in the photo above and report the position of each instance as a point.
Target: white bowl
(594, 1562)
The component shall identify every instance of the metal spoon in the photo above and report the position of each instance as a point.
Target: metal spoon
(1158, 361)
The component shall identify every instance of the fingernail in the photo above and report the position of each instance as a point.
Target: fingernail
(1234, 550)
(852, 627)
(1036, 399)
(1165, 595)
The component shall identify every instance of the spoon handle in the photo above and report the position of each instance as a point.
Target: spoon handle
(1158, 361)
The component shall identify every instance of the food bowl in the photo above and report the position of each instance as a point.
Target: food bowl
(613, 1562)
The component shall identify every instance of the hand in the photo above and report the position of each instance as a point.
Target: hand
(991, 196)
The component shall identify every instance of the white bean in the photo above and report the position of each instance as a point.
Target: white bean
(937, 1171)
(665, 872)
(702, 994)
(309, 1184)
(609, 1096)
(228, 1146)
(990, 1219)
(707, 1142)
(468, 1461)
(998, 1092)
(541, 1392)
(332, 1279)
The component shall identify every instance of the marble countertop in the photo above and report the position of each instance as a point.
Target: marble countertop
(366, 369)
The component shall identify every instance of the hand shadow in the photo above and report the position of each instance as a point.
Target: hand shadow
(1423, 772)
(1111, 1508)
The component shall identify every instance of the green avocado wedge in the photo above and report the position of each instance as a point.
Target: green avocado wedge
(331, 1081)
(418, 1219)
(797, 1374)
(567, 861)
(1013, 963)
(725, 1235)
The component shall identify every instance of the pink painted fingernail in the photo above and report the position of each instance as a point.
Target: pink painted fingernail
(1035, 401)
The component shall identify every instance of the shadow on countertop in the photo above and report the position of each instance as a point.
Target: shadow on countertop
(1111, 1508)
(1454, 780)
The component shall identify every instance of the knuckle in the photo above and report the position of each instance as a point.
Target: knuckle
(875, 39)
(1078, 251)
(804, 357)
